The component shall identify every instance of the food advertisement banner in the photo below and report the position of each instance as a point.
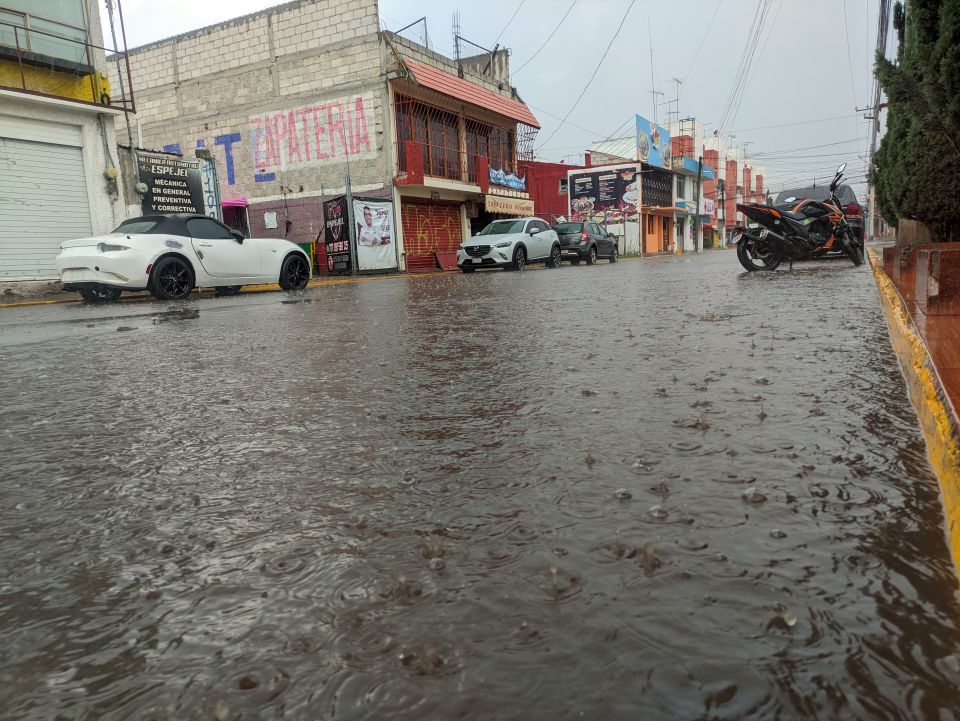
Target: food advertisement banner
(603, 195)
(376, 246)
(653, 143)
(173, 184)
(336, 235)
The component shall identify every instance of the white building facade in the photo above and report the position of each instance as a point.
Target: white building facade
(58, 155)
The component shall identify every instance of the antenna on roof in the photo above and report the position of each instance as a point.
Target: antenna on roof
(456, 36)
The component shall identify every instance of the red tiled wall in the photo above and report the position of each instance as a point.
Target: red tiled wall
(682, 146)
(730, 181)
(543, 187)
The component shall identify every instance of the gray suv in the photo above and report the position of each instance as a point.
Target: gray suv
(586, 241)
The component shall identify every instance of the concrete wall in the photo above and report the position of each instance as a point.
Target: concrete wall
(499, 66)
(286, 99)
(497, 80)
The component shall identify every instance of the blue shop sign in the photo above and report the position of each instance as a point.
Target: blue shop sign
(508, 180)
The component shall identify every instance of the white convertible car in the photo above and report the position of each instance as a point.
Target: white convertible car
(170, 255)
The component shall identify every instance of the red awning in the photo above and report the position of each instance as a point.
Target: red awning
(430, 77)
(233, 203)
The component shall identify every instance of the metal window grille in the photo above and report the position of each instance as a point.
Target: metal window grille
(445, 154)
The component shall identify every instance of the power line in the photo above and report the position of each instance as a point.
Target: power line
(625, 122)
(704, 39)
(747, 74)
(799, 122)
(530, 59)
(596, 70)
(594, 133)
(740, 67)
(808, 147)
(846, 35)
(508, 22)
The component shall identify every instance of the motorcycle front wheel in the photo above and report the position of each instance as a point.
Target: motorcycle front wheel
(854, 252)
(758, 254)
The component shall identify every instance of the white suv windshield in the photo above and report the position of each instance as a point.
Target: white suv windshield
(499, 227)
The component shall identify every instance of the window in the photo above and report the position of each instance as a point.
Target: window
(136, 225)
(207, 229)
(680, 187)
(563, 186)
(57, 28)
(499, 227)
(595, 229)
(437, 132)
(568, 227)
(496, 144)
(538, 224)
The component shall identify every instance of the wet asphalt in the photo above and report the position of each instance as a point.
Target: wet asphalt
(662, 489)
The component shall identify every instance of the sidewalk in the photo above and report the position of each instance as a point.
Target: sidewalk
(927, 346)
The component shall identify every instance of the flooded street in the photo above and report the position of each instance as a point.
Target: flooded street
(663, 489)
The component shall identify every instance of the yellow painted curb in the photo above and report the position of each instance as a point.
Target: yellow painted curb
(271, 287)
(938, 421)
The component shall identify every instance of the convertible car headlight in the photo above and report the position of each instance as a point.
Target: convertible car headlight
(504, 244)
(109, 248)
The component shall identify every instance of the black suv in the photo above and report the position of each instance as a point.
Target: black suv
(852, 210)
(586, 241)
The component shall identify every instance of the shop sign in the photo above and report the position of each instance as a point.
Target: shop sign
(706, 206)
(603, 195)
(376, 246)
(173, 184)
(507, 180)
(508, 206)
(211, 188)
(653, 143)
(336, 235)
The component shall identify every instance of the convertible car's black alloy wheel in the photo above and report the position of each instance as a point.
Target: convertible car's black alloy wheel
(172, 279)
(295, 272)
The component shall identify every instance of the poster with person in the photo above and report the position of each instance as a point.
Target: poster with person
(376, 243)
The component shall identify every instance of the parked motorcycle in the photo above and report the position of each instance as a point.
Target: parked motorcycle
(810, 229)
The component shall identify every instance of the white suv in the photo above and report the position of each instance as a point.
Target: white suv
(510, 244)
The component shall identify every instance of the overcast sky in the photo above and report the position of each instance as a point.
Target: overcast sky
(810, 69)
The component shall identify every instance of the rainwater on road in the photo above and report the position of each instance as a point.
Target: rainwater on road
(663, 489)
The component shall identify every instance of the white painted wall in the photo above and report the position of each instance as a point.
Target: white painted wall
(106, 212)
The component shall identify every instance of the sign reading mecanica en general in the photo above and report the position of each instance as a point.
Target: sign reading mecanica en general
(173, 185)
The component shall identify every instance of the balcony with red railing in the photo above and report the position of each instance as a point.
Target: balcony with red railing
(434, 142)
(49, 58)
(417, 161)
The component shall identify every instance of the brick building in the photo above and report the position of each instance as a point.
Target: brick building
(292, 99)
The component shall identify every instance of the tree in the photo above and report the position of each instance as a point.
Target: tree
(917, 167)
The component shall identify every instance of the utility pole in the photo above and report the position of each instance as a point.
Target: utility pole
(696, 217)
(883, 22)
(723, 210)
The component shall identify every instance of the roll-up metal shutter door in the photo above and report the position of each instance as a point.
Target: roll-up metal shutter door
(429, 227)
(43, 201)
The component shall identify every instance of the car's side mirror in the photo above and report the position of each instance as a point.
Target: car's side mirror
(534, 231)
(237, 235)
